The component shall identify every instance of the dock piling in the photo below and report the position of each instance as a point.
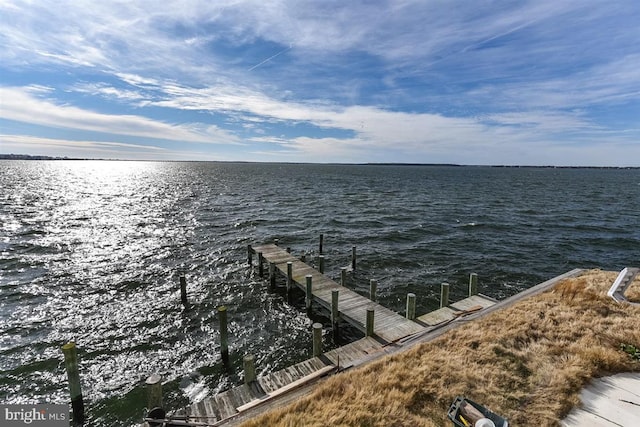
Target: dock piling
(309, 292)
(317, 339)
(249, 365)
(411, 306)
(353, 258)
(334, 308)
(272, 274)
(321, 264)
(71, 364)
(370, 320)
(343, 276)
(321, 243)
(260, 264)
(473, 284)
(373, 288)
(183, 290)
(249, 255)
(154, 391)
(444, 295)
(224, 334)
(289, 276)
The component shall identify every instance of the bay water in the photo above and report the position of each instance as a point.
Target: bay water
(91, 252)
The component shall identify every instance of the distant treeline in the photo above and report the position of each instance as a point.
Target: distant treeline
(29, 157)
(504, 166)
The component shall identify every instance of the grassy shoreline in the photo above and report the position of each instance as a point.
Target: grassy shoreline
(527, 362)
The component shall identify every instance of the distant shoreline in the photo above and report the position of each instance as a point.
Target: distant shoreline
(38, 157)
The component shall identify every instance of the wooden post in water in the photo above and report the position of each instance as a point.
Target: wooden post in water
(289, 275)
(309, 295)
(334, 309)
(260, 264)
(444, 295)
(473, 284)
(249, 255)
(224, 334)
(370, 320)
(411, 306)
(154, 391)
(321, 262)
(321, 243)
(317, 339)
(343, 276)
(353, 258)
(272, 274)
(373, 288)
(71, 364)
(303, 257)
(183, 290)
(249, 365)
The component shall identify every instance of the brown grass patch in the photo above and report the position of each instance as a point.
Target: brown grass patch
(527, 363)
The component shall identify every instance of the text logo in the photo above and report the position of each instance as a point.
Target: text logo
(34, 415)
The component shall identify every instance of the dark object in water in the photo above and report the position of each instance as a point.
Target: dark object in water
(465, 413)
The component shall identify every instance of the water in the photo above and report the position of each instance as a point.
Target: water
(90, 251)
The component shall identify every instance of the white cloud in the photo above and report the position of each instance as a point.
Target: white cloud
(19, 105)
(27, 144)
(24, 140)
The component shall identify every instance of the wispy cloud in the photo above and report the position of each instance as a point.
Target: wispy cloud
(89, 145)
(21, 106)
(28, 144)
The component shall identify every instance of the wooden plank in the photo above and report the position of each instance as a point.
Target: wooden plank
(297, 383)
(608, 401)
(436, 317)
(241, 395)
(225, 406)
(582, 418)
(356, 350)
(473, 301)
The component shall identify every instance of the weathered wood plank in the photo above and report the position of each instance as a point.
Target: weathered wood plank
(354, 351)
(609, 401)
(438, 316)
(224, 405)
(473, 301)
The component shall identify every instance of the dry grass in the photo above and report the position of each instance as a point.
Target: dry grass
(527, 363)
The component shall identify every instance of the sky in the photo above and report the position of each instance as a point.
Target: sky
(428, 81)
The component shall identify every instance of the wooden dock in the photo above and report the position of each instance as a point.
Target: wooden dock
(352, 307)
(391, 332)
(234, 402)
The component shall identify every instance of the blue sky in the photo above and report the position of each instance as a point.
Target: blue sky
(470, 82)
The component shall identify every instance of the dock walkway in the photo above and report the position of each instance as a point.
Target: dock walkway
(388, 325)
(228, 404)
(391, 332)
